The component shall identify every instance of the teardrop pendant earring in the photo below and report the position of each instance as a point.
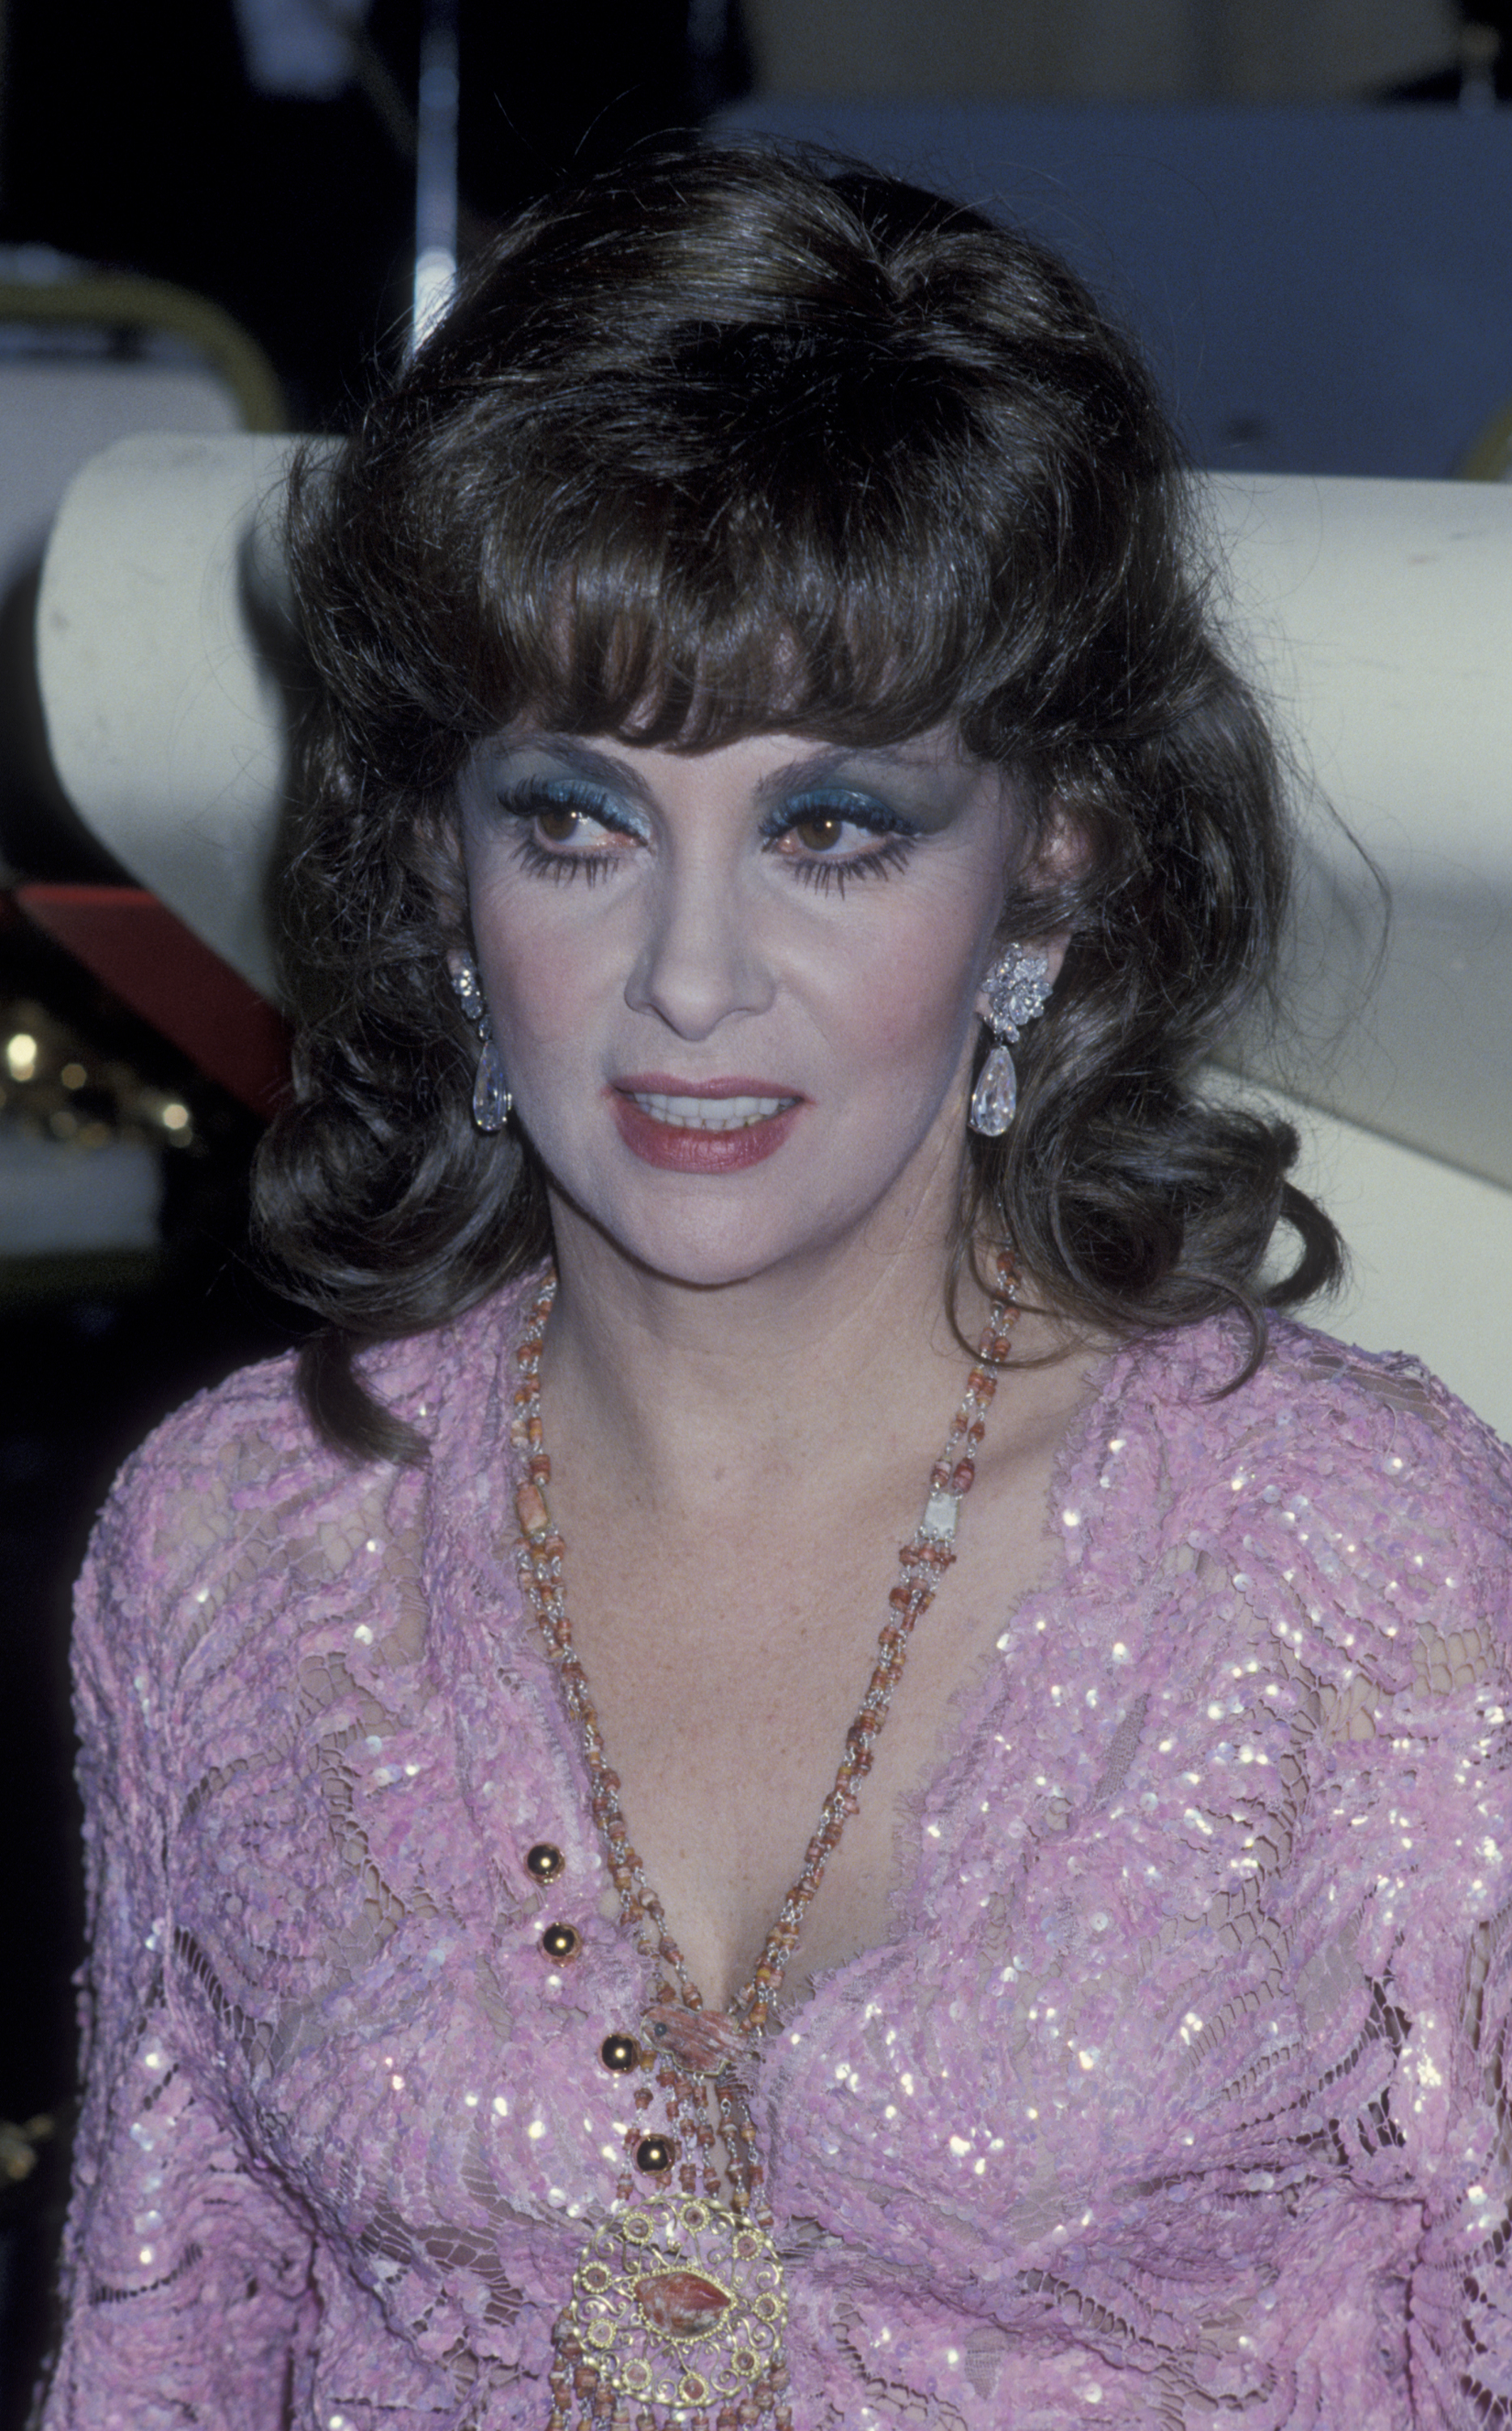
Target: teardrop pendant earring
(1017, 989)
(491, 1092)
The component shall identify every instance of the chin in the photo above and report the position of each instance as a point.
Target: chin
(690, 1240)
(708, 1260)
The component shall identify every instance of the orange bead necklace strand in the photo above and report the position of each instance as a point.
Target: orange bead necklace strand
(680, 2303)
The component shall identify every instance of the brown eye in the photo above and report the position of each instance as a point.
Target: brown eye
(820, 832)
(557, 822)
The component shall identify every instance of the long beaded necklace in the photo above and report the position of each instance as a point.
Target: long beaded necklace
(678, 2303)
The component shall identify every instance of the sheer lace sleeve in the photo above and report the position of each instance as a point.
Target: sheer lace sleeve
(1455, 2086)
(1415, 1736)
(186, 2277)
(1461, 2303)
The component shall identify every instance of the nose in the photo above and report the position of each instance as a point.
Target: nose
(699, 960)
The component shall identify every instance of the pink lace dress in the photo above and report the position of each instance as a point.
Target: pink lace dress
(1178, 2096)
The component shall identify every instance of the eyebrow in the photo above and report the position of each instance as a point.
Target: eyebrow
(826, 759)
(579, 756)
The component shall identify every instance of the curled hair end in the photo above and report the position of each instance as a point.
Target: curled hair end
(345, 1415)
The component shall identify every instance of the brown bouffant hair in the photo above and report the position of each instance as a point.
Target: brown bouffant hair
(736, 442)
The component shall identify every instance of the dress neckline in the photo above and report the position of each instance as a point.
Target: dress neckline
(967, 1711)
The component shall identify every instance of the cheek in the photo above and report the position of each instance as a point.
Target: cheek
(915, 999)
(539, 998)
(541, 984)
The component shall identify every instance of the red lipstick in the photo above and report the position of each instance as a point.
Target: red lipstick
(682, 1148)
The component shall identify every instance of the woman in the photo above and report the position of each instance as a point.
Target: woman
(585, 1932)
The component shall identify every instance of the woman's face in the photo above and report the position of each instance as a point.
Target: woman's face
(734, 990)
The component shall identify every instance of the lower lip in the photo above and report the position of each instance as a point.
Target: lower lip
(678, 1148)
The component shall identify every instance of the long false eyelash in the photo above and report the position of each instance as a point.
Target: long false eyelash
(560, 867)
(893, 846)
(832, 877)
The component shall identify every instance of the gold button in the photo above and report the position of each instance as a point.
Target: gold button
(619, 2051)
(654, 2153)
(560, 1941)
(545, 1861)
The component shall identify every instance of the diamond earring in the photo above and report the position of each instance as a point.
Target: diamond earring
(491, 1093)
(1017, 988)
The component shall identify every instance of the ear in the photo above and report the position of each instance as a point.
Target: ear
(1061, 855)
(1063, 849)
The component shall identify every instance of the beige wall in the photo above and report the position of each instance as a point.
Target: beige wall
(1095, 50)
(1430, 1253)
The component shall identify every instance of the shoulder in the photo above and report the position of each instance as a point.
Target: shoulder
(1312, 1401)
(235, 1500)
(1349, 1492)
(253, 1428)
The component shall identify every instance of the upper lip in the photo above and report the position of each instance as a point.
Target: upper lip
(664, 1084)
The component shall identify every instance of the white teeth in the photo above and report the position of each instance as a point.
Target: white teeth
(709, 1114)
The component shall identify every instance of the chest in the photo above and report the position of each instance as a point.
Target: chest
(724, 1683)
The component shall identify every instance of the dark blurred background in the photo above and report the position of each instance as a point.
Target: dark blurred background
(158, 137)
(261, 157)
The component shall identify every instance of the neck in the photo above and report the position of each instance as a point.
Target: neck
(681, 1394)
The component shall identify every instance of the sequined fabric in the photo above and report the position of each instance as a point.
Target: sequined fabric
(1178, 2097)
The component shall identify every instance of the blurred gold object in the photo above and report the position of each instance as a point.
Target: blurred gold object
(18, 2146)
(54, 1081)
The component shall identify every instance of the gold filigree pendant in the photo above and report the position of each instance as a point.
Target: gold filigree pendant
(680, 2305)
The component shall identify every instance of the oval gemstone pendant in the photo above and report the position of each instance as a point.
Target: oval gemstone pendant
(680, 2304)
(703, 2040)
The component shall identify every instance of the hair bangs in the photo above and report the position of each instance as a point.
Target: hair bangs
(686, 612)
